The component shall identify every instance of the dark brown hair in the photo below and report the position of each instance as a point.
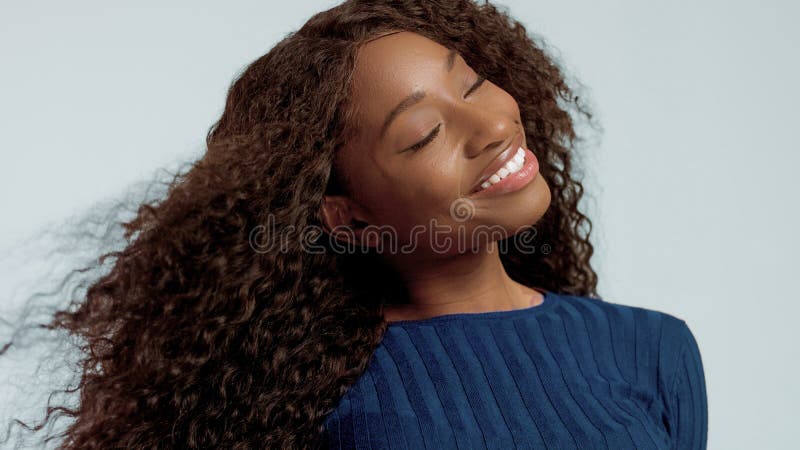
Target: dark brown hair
(197, 339)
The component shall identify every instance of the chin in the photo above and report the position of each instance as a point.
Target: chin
(541, 199)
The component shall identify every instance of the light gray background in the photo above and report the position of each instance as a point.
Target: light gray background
(696, 212)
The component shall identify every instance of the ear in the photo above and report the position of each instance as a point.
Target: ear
(334, 212)
(343, 219)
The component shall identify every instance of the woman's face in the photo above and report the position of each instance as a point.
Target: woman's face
(415, 169)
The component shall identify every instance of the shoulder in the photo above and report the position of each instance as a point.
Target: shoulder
(657, 322)
(668, 334)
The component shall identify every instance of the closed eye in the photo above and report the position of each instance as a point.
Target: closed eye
(435, 131)
(475, 86)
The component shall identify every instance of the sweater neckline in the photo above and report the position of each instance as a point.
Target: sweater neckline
(548, 301)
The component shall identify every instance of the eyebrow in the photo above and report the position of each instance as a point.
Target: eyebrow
(416, 96)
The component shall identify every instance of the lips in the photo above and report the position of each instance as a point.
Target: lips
(499, 161)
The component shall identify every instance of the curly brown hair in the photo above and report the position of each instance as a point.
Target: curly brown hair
(195, 340)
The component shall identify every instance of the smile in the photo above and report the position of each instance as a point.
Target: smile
(509, 171)
(512, 166)
(515, 174)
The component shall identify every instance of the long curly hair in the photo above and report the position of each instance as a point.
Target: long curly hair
(199, 337)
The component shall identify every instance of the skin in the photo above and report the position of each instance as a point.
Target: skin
(403, 189)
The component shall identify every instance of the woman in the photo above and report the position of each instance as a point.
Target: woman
(382, 247)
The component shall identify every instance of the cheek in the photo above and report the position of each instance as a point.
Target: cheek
(435, 185)
(416, 197)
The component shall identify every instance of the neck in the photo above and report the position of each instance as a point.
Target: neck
(465, 283)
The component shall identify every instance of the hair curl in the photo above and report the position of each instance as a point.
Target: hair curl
(192, 339)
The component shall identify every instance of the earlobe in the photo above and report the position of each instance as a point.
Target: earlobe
(337, 219)
(336, 214)
(331, 213)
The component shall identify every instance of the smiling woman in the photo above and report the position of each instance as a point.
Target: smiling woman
(432, 122)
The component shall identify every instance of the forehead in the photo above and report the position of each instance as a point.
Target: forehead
(391, 67)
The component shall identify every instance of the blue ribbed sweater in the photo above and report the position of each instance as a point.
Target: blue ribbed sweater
(572, 372)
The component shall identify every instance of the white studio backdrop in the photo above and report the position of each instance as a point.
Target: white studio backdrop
(693, 183)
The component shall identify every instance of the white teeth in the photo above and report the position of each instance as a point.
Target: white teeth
(513, 165)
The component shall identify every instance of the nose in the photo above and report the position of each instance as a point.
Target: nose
(491, 136)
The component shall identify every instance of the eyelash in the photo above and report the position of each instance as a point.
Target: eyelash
(435, 131)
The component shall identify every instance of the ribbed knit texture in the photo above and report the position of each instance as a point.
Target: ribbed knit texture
(572, 372)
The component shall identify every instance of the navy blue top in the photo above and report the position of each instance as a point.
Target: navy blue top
(572, 372)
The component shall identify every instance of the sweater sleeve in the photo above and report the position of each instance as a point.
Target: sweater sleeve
(686, 399)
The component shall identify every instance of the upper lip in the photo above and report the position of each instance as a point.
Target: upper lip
(500, 160)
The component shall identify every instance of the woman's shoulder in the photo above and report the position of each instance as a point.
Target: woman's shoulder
(618, 312)
(667, 333)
